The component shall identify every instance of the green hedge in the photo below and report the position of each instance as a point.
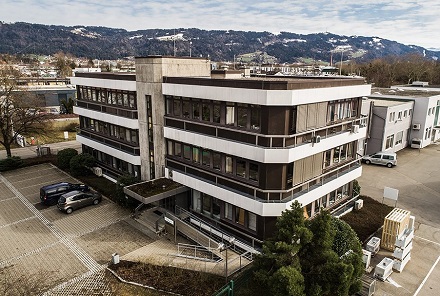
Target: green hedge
(10, 163)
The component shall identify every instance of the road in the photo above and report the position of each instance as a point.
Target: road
(31, 151)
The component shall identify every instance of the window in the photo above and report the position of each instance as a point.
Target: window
(399, 137)
(390, 141)
(405, 113)
(206, 157)
(253, 171)
(196, 109)
(228, 211)
(206, 203)
(206, 112)
(176, 107)
(178, 149)
(255, 117)
(241, 168)
(197, 202)
(228, 167)
(186, 108)
(252, 221)
(215, 207)
(186, 152)
(242, 115)
(216, 113)
(217, 161)
(399, 115)
(409, 112)
(239, 215)
(230, 115)
(196, 155)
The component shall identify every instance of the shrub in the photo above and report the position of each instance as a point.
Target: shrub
(80, 164)
(64, 156)
(121, 199)
(10, 163)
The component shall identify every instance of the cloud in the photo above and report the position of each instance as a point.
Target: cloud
(405, 21)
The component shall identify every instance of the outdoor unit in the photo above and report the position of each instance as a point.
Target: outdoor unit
(358, 204)
(366, 258)
(416, 126)
(355, 128)
(416, 143)
(373, 245)
(316, 139)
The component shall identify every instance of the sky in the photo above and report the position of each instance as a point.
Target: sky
(404, 21)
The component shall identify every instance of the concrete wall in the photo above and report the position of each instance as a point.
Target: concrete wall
(149, 77)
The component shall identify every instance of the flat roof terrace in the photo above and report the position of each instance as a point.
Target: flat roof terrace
(267, 83)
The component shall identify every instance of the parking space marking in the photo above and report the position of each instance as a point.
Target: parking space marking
(426, 277)
(8, 199)
(430, 241)
(80, 254)
(98, 227)
(39, 184)
(17, 222)
(9, 261)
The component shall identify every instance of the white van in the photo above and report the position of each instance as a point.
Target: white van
(384, 158)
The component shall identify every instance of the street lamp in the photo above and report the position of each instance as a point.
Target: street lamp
(224, 247)
(190, 43)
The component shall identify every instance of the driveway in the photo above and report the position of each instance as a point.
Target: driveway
(44, 249)
(417, 177)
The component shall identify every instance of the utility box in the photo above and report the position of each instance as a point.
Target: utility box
(368, 286)
(373, 245)
(115, 258)
(384, 269)
(394, 225)
(366, 258)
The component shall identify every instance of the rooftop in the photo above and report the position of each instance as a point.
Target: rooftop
(405, 92)
(387, 103)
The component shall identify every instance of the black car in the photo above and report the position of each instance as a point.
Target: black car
(50, 194)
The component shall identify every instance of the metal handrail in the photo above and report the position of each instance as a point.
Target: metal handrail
(224, 236)
(194, 249)
(303, 135)
(323, 177)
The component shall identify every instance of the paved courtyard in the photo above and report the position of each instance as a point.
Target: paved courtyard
(43, 249)
(417, 177)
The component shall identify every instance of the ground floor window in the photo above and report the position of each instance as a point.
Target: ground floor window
(390, 141)
(327, 201)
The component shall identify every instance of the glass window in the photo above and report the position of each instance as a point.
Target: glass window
(176, 106)
(217, 161)
(186, 152)
(178, 149)
(196, 155)
(241, 168)
(399, 137)
(336, 153)
(196, 109)
(206, 157)
(252, 221)
(215, 207)
(390, 141)
(169, 105)
(206, 112)
(206, 202)
(242, 115)
(228, 211)
(216, 113)
(239, 215)
(343, 155)
(253, 171)
(228, 167)
(230, 115)
(170, 148)
(197, 202)
(405, 113)
(186, 107)
(327, 158)
(255, 117)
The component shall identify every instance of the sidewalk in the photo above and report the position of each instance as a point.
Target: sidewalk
(31, 151)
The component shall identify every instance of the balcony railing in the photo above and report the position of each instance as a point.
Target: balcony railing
(109, 109)
(266, 141)
(266, 196)
(126, 147)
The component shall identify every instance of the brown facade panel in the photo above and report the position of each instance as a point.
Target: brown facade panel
(272, 176)
(237, 136)
(198, 128)
(275, 121)
(174, 123)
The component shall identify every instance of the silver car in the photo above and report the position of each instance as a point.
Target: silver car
(77, 199)
(383, 158)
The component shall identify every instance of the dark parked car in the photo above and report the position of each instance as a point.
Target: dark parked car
(50, 194)
(76, 199)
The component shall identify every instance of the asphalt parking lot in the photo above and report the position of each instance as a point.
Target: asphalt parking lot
(417, 177)
(46, 249)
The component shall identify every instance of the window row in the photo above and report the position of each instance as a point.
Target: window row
(400, 115)
(338, 110)
(214, 160)
(431, 111)
(338, 154)
(110, 130)
(217, 209)
(328, 200)
(243, 116)
(116, 163)
(108, 96)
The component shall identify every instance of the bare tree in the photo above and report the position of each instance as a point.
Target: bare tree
(20, 110)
